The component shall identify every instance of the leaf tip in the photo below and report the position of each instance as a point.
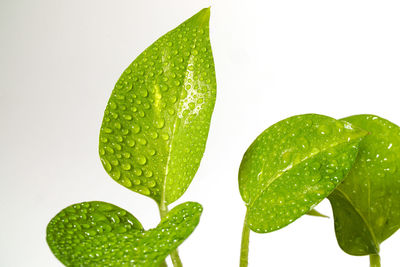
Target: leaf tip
(203, 16)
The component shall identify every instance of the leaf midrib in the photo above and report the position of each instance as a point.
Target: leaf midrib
(290, 166)
(164, 186)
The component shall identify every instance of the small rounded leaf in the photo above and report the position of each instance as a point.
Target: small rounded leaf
(101, 234)
(91, 234)
(292, 166)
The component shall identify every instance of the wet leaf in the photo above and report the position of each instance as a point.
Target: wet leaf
(292, 166)
(100, 234)
(156, 122)
(366, 206)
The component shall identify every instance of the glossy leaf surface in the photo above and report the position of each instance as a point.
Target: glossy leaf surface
(100, 234)
(157, 119)
(366, 206)
(292, 166)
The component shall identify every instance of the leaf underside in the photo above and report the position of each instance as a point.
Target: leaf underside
(100, 234)
(366, 206)
(156, 122)
(292, 166)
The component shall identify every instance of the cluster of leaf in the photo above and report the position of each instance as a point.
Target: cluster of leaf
(299, 161)
(152, 139)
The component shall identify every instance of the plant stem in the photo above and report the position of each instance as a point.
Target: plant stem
(244, 249)
(375, 260)
(163, 209)
(176, 260)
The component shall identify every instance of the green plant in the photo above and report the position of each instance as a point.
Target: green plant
(100, 234)
(291, 167)
(152, 139)
(366, 206)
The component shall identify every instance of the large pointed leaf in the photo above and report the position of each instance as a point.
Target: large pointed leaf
(100, 234)
(156, 122)
(292, 166)
(366, 206)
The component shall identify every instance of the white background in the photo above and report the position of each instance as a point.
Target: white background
(59, 61)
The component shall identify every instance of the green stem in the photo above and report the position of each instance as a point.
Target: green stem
(244, 249)
(375, 260)
(163, 209)
(176, 260)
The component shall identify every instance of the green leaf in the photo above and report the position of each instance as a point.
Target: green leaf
(100, 234)
(316, 213)
(292, 166)
(366, 206)
(157, 119)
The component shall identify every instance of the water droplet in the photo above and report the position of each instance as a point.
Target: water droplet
(130, 142)
(142, 141)
(154, 135)
(333, 164)
(148, 174)
(106, 165)
(126, 182)
(315, 179)
(117, 125)
(173, 99)
(137, 172)
(143, 190)
(171, 111)
(391, 169)
(151, 183)
(110, 150)
(126, 166)
(286, 156)
(107, 130)
(141, 159)
(116, 175)
(117, 147)
(113, 105)
(380, 174)
(127, 117)
(323, 129)
(90, 232)
(159, 123)
(302, 142)
(144, 93)
(165, 136)
(315, 166)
